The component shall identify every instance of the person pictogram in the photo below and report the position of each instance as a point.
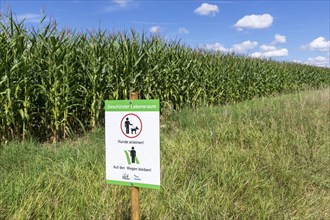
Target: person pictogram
(133, 155)
(131, 125)
(127, 124)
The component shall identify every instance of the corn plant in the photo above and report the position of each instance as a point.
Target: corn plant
(53, 83)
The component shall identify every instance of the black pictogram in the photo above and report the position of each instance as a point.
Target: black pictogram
(131, 125)
(133, 155)
(127, 124)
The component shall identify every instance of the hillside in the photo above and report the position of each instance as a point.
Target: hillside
(266, 158)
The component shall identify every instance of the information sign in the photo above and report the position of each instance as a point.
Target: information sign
(132, 143)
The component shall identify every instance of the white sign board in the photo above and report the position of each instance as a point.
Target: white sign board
(132, 143)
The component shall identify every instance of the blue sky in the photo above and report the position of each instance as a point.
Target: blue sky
(296, 31)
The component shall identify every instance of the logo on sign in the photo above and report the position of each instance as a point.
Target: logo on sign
(131, 125)
(125, 176)
(136, 177)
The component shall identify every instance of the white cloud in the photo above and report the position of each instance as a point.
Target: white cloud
(297, 61)
(271, 53)
(320, 44)
(265, 51)
(155, 29)
(266, 48)
(281, 39)
(29, 17)
(242, 47)
(183, 30)
(122, 3)
(214, 47)
(254, 22)
(236, 48)
(207, 10)
(318, 61)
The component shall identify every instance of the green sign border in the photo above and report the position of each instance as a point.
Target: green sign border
(141, 185)
(131, 105)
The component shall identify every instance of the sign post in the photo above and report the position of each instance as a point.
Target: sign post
(133, 145)
(135, 210)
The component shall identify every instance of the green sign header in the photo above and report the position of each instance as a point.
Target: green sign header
(131, 105)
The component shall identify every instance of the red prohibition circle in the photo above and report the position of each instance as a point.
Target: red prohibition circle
(121, 127)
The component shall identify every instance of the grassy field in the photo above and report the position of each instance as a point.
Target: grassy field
(262, 159)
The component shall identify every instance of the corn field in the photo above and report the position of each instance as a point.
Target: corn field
(53, 83)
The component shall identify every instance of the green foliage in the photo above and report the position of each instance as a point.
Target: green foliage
(53, 83)
(261, 159)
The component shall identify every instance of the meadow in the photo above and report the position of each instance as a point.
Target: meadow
(266, 158)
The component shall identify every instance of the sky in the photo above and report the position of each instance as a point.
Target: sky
(282, 30)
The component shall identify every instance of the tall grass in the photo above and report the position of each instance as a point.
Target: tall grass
(53, 83)
(261, 159)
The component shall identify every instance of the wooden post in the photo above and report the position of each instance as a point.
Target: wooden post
(135, 212)
(133, 95)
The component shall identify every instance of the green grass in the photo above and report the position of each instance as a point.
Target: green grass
(262, 159)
